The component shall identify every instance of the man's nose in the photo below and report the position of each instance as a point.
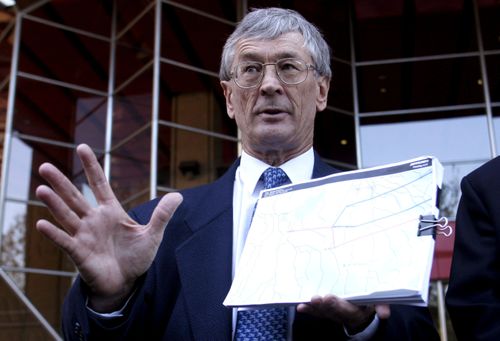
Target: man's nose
(270, 80)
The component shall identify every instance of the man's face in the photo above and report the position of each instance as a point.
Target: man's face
(275, 117)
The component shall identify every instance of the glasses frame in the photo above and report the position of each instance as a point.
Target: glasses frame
(261, 77)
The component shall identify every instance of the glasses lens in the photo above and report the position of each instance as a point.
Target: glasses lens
(291, 71)
(248, 74)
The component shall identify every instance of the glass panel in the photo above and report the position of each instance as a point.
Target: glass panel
(459, 138)
(187, 159)
(398, 29)
(23, 246)
(46, 293)
(133, 107)
(13, 238)
(199, 45)
(489, 12)
(77, 13)
(193, 99)
(23, 175)
(127, 11)
(493, 68)
(334, 137)
(223, 9)
(340, 95)
(19, 169)
(69, 116)
(6, 45)
(130, 169)
(461, 145)
(18, 323)
(64, 56)
(135, 47)
(419, 84)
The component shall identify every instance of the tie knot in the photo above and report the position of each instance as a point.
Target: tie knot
(274, 177)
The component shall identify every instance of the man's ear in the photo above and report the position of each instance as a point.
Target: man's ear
(228, 93)
(322, 97)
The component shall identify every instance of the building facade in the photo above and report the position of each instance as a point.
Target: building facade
(138, 82)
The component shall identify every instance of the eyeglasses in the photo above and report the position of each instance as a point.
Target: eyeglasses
(289, 70)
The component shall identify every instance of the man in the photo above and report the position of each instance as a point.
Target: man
(140, 280)
(473, 296)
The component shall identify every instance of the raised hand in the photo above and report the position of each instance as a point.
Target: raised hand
(109, 248)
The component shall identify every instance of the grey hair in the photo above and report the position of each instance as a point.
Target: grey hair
(269, 24)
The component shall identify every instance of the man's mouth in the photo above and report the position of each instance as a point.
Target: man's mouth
(272, 111)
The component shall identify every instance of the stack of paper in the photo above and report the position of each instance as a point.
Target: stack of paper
(352, 234)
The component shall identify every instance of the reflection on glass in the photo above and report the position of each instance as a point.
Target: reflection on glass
(130, 168)
(463, 138)
(13, 238)
(461, 145)
(59, 114)
(17, 322)
(19, 169)
(419, 84)
(187, 159)
(334, 137)
(64, 56)
(193, 44)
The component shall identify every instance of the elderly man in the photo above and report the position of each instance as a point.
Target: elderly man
(162, 271)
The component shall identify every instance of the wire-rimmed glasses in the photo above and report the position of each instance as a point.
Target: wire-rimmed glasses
(290, 71)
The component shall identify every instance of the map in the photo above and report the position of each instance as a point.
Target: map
(352, 234)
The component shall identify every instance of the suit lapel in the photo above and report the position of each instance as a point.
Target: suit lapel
(205, 260)
(321, 168)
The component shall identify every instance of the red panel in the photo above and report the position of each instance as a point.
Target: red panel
(443, 253)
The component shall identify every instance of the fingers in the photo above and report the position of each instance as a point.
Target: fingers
(58, 208)
(56, 235)
(64, 188)
(164, 211)
(95, 175)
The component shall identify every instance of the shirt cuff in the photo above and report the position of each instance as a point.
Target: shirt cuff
(367, 333)
(111, 315)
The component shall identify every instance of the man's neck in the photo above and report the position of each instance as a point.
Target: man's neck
(276, 158)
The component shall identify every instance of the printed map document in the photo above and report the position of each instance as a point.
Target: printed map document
(352, 234)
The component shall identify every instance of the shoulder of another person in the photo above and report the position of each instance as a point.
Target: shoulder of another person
(487, 174)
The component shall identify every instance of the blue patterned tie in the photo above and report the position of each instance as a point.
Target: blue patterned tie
(274, 177)
(268, 323)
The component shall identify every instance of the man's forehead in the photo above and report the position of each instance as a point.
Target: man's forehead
(287, 45)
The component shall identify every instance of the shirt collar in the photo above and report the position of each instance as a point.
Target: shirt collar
(298, 169)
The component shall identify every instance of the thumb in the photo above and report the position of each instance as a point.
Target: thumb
(164, 211)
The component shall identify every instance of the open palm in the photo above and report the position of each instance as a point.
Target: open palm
(109, 248)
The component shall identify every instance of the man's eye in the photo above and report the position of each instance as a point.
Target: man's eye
(251, 68)
(289, 67)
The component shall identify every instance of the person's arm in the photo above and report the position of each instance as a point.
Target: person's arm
(473, 296)
(110, 250)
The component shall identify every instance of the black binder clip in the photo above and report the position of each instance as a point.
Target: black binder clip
(430, 226)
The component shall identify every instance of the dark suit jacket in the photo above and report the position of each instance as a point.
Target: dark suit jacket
(180, 297)
(473, 296)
